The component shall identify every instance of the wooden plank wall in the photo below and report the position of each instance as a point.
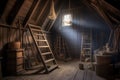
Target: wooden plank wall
(7, 35)
(83, 19)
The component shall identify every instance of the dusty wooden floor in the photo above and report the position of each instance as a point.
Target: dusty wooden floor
(67, 71)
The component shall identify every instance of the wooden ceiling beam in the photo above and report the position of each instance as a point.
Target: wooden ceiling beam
(2, 6)
(113, 19)
(109, 7)
(14, 11)
(44, 7)
(31, 12)
(98, 8)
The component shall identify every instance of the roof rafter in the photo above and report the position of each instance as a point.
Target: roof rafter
(31, 12)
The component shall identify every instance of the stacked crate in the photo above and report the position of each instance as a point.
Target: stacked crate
(14, 60)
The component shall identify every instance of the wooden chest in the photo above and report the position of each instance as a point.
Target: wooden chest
(14, 61)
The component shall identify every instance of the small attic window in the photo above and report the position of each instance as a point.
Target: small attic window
(67, 20)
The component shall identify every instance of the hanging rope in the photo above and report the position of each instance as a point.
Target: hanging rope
(52, 14)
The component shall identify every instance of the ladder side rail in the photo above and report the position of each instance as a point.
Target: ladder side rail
(81, 47)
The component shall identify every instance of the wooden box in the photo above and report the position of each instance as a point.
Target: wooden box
(14, 61)
(105, 70)
(103, 59)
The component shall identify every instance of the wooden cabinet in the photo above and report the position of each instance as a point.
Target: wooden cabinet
(14, 61)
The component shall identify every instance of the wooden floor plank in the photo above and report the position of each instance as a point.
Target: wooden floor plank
(79, 75)
(66, 71)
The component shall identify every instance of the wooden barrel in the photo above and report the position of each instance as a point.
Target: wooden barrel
(14, 45)
(103, 59)
(105, 70)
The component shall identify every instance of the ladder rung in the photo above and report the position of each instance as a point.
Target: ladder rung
(87, 54)
(43, 46)
(46, 53)
(49, 60)
(41, 40)
(36, 30)
(34, 26)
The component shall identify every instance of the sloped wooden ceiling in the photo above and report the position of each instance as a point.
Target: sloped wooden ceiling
(110, 15)
(40, 16)
(2, 6)
(37, 11)
(107, 11)
(34, 11)
(15, 9)
(115, 3)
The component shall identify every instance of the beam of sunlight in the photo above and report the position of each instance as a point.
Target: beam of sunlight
(71, 35)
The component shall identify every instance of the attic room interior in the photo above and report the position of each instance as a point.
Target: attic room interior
(59, 39)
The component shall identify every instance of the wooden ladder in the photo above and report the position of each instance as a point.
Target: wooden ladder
(86, 44)
(43, 48)
(86, 55)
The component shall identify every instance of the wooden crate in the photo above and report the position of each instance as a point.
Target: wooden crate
(14, 61)
(14, 45)
(104, 70)
(103, 59)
